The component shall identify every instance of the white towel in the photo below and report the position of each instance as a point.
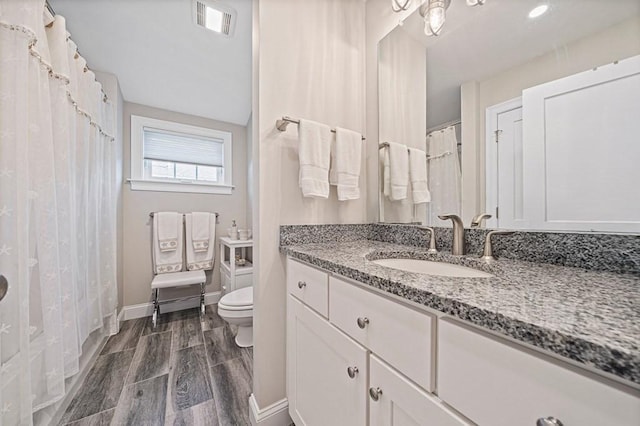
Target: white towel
(168, 224)
(314, 154)
(167, 261)
(398, 171)
(418, 176)
(200, 231)
(386, 172)
(200, 260)
(346, 156)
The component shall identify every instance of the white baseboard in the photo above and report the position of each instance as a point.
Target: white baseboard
(276, 414)
(146, 309)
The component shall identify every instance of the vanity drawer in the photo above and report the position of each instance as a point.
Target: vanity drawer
(396, 333)
(308, 284)
(493, 381)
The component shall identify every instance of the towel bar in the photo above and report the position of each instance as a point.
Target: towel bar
(285, 121)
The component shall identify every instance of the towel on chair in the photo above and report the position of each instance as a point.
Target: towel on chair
(168, 224)
(418, 176)
(398, 171)
(202, 260)
(314, 154)
(167, 261)
(346, 157)
(200, 231)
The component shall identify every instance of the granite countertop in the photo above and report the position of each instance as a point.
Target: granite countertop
(592, 317)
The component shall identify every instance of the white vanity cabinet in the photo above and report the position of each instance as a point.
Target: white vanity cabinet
(493, 381)
(418, 367)
(371, 362)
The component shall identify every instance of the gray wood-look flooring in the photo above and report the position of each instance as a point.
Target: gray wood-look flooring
(186, 371)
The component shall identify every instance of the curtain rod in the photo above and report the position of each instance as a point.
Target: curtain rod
(284, 122)
(429, 157)
(443, 126)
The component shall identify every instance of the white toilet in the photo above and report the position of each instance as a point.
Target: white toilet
(236, 307)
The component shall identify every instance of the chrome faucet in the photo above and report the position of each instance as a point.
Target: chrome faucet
(487, 254)
(477, 219)
(457, 247)
(432, 239)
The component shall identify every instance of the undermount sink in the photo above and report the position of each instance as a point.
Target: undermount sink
(428, 267)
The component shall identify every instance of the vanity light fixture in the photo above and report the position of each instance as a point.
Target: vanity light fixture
(434, 13)
(538, 11)
(400, 5)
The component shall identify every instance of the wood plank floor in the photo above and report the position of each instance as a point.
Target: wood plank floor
(186, 371)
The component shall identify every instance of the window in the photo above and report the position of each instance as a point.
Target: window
(168, 156)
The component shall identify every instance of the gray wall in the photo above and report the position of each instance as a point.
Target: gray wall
(137, 205)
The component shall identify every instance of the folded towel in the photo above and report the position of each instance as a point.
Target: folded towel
(200, 231)
(168, 224)
(314, 153)
(167, 261)
(418, 176)
(200, 260)
(399, 171)
(346, 157)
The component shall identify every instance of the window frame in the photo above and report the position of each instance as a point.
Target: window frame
(140, 183)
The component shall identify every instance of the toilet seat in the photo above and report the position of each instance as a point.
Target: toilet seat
(237, 300)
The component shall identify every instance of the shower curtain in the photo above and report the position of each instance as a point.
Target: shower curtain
(444, 175)
(57, 209)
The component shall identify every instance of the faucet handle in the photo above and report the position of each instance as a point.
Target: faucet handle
(477, 219)
(432, 239)
(487, 255)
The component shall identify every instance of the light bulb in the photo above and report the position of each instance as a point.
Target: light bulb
(435, 17)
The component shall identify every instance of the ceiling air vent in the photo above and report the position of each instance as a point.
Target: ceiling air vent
(214, 16)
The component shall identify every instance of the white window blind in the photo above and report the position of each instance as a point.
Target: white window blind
(162, 145)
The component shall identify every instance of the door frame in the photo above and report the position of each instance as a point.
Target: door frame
(491, 155)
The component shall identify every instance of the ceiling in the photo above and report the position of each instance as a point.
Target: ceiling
(162, 59)
(477, 42)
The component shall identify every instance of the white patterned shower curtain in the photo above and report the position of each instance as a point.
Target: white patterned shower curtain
(444, 175)
(57, 209)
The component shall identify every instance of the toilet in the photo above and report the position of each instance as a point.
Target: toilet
(236, 307)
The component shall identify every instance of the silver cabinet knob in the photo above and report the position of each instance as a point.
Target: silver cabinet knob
(352, 371)
(548, 421)
(362, 322)
(4, 286)
(301, 285)
(375, 393)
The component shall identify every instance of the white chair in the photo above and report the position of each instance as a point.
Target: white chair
(176, 279)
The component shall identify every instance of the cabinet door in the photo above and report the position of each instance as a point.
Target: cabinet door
(319, 387)
(495, 382)
(402, 403)
(400, 335)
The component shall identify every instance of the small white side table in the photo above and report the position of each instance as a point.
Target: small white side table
(232, 275)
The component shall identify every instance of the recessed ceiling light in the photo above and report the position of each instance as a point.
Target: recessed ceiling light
(538, 10)
(214, 16)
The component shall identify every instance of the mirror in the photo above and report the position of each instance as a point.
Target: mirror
(560, 92)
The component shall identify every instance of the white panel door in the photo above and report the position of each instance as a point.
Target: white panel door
(581, 150)
(320, 389)
(402, 403)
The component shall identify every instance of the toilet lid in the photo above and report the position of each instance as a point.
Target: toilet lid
(241, 297)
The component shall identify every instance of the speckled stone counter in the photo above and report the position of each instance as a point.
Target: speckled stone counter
(592, 317)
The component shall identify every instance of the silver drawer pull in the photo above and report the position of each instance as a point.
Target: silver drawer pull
(301, 285)
(548, 421)
(375, 393)
(352, 371)
(362, 322)
(4, 287)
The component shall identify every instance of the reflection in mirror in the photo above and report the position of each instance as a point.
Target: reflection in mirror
(560, 92)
